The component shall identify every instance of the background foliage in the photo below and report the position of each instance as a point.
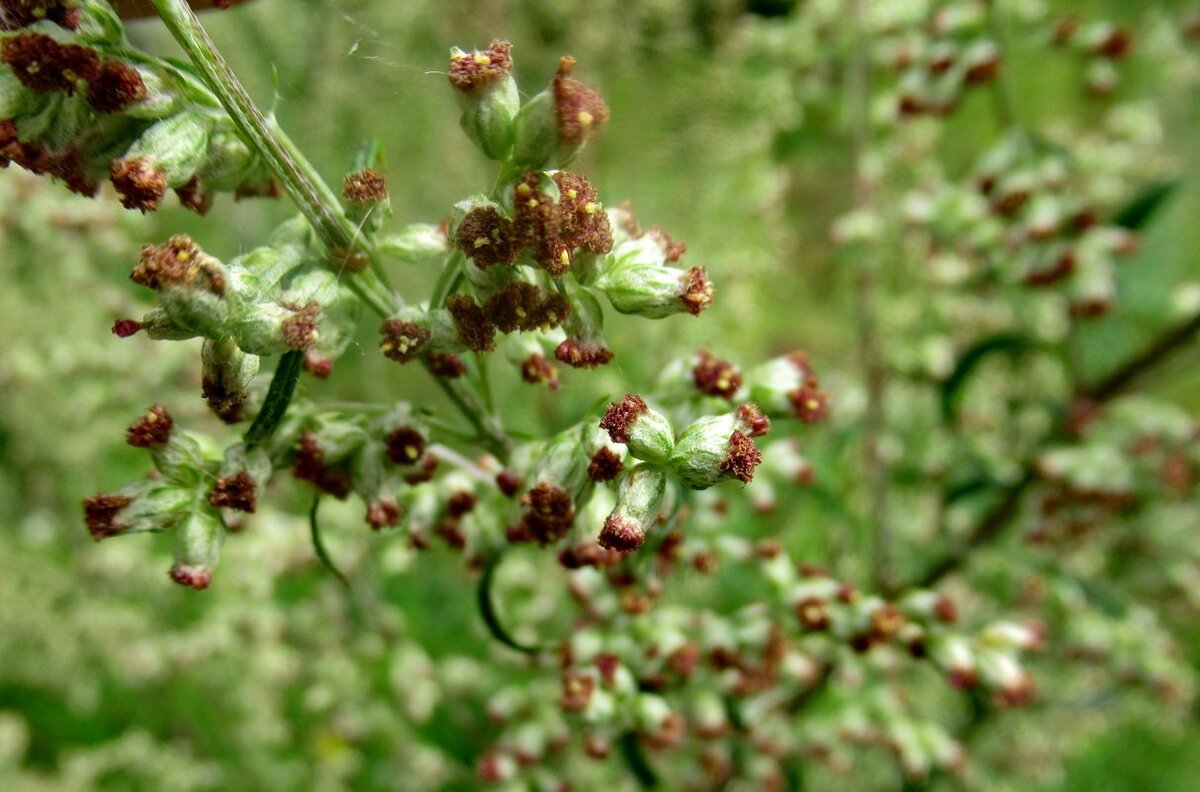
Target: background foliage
(112, 679)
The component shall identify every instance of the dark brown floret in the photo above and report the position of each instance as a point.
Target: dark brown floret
(198, 578)
(402, 341)
(309, 465)
(549, 513)
(16, 14)
(300, 329)
(475, 330)
(984, 70)
(140, 184)
(115, 87)
(576, 691)
(583, 223)
(621, 415)
(886, 622)
(451, 532)
(606, 465)
(581, 112)
(193, 196)
(509, 482)
(227, 403)
(716, 377)
(523, 306)
(488, 238)
(45, 66)
(697, 291)
(460, 503)
(124, 328)
(621, 534)
(476, 69)
(753, 421)
(673, 251)
(405, 445)
(68, 167)
(237, 492)
(588, 554)
(537, 224)
(741, 458)
(583, 354)
(535, 370)
(383, 513)
(809, 403)
(365, 186)
(813, 613)
(100, 512)
(424, 472)
(445, 365)
(172, 263)
(1116, 45)
(152, 429)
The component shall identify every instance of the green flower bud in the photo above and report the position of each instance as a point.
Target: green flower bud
(160, 100)
(536, 133)
(645, 432)
(225, 376)
(138, 507)
(418, 243)
(638, 496)
(488, 95)
(177, 146)
(716, 448)
(637, 280)
(197, 548)
(787, 386)
(183, 459)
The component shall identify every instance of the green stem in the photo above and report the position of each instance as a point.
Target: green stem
(635, 758)
(490, 434)
(487, 609)
(314, 528)
(279, 396)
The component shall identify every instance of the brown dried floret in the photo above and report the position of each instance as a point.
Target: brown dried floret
(622, 415)
(152, 429)
(605, 465)
(16, 14)
(549, 513)
(445, 365)
(488, 238)
(809, 403)
(698, 291)
(44, 66)
(238, 492)
(752, 420)
(577, 691)
(383, 513)
(536, 370)
(621, 534)
(193, 196)
(588, 554)
(364, 186)
(405, 445)
(320, 366)
(580, 110)
(478, 68)
(115, 87)
(715, 377)
(101, 511)
(508, 482)
(886, 622)
(172, 263)
(140, 184)
(402, 341)
(583, 223)
(741, 458)
(300, 329)
(813, 613)
(309, 465)
(460, 503)
(194, 577)
(475, 330)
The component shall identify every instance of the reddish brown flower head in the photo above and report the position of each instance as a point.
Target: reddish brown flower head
(622, 415)
(196, 577)
(1116, 44)
(813, 613)
(101, 513)
(402, 341)
(45, 66)
(588, 554)
(1018, 692)
(583, 354)
(577, 691)
(152, 429)
(742, 457)
(445, 365)
(672, 250)
(383, 513)
(523, 306)
(549, 513)
(984, 70)
(583, 223)
(320, 366)
(300, 329)
(753, 421)
(475, 330)
(309, 465)
(698, 291)
(115, 87)
(716, 377)
(886, 622)
(16, 14)
(606, 465)
(405, 445)
(1065, 29)
(237, 492)
(450, 531)
(537, 222)
(193, 196)
(509, 482)
(173, 263)
(366, 186)
(140, 184)
(488, 238)
(473, 70)
(227, 404)
(581, 112)
(460, 503)
(945, 610)
(124, 328)
(535, 370)
(621, 534)
(809, 403)
(424, 472)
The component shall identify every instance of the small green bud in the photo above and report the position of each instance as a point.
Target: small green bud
(488, 95)
(197, 548)
(787, 386)
(637, 280)
(645, 432)
(717, 448)
(147, 505)
(536, 133)
(638, 496)
(225, 376)
(177, 146)
(418, 243)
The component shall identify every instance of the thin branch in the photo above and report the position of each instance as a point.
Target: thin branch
(487, 609)
(318, 543)
(279, 396)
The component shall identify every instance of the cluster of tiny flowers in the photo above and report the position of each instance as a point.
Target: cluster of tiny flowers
(75, 105)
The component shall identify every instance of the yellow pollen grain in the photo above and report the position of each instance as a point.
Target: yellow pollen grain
(565, 258)
(812, 404)
(482, 60)
(524, 189)
(480, 242)
(387, 346)
(533, 204)
(585, 118)
(590, 207)
(572, 194)
(410, 452)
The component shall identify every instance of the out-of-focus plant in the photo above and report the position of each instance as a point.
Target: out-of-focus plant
(974, 424)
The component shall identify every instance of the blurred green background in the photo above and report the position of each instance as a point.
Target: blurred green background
(111, 678)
